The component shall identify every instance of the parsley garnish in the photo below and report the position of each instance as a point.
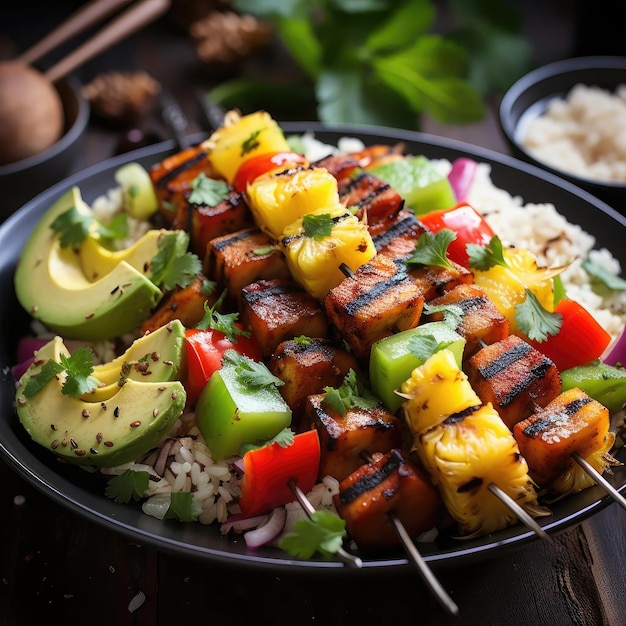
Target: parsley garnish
(303, 340)
(485, 257)
(284, 439)
(126, 486)
(208, 191)
(603, 276)
(223, 322)
(350, 394)
(251, 373)
(431, 249)
(251, 142)
(535, 321)
(78, 367)
(452, 313)
(323, 532)
(183, 507)
(72, 226)
(173, 265)
(424, 346)
(317, 226)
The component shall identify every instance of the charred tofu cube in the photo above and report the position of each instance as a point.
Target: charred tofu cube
(370, 196)
(481, 322)
(436, 280)
(515, 377)
(572, 422)
(345, 438)
(243, 257)
(378, 154)
(209, 222)
(172, 179)
(183, 303)
(391, 482)
(279, 309)
(339, 165)
(307, 365)
(396, 237)
(379, 299)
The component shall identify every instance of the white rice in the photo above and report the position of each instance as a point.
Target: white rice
(583, 134)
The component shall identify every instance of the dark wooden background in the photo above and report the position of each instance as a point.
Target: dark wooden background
(55, 564)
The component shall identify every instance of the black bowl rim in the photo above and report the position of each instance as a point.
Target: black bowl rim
(540, 74)
(68, 138)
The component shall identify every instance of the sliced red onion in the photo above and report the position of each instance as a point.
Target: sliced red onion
(461, 177)
(269, 531)
(616, 352)
(239, 523)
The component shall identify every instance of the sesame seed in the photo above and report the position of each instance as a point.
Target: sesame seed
(73, 442)
(135, 424)
(116, 411)
(55, 444)
(155, 412)
(108, 444)
(99, 437)
(21, 401)
(79, 452)
(86, 413)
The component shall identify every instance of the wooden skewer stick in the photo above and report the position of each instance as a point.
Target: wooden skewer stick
(427, 575)
(519, 511)
(309, 509)
(418, 560)
(599, 479)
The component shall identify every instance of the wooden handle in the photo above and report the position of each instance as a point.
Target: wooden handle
(129, 22)
(87, 16)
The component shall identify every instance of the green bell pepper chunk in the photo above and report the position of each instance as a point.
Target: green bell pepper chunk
(230, 413)
(419, 182)
(393, 359)
(604, 383)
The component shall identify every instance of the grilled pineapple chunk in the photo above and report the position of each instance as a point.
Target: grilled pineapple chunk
(319, 244)
(280, 199)
(464, 455)
(506, 286)
(435, 390)
(465, 446)
(241, 137)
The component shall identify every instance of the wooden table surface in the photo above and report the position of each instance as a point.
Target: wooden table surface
(55, 563)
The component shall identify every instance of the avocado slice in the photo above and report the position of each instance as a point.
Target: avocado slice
(51, 285)
(97, 261)
(158, 356)
(103, 434)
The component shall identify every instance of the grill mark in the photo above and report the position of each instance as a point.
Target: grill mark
(271, 292)
(234, 238)
(173, 173)
(542, 424)
(372, 480)
(403, 227)
(537, 372)
(505, 360)
(459, 416)
(360, 302)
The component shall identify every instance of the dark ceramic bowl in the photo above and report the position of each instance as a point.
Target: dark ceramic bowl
(24, 179)
(528, 98)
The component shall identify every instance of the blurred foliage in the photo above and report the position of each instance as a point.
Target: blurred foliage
(385, 62)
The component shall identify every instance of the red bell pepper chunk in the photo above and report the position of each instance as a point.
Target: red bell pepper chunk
(261, 164)
(268, 470)
(580, 340)
(468, 225)
(205, 349)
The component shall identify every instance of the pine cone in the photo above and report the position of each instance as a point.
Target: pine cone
(224, 39)
(122, 98)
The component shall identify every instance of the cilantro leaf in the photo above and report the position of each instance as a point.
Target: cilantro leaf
(284, 439)
(126, 486)
(222, 322)
(323, 532)
(452, 313)
(72, 226)
(251, 373)
(173, 265)
(183, 507)
(208, 191)
(251, 142)
(116, 228)
(604, 276)
(431, 249)
(535, 321)
(350, 394)
(423, 347)
(484, 257)
(78, 367)
(317, 226)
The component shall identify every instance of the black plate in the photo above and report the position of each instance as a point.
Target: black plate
(83, 493)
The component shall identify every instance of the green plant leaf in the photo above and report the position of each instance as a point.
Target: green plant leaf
(300, 39)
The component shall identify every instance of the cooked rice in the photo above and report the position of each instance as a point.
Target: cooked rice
(583, 134)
